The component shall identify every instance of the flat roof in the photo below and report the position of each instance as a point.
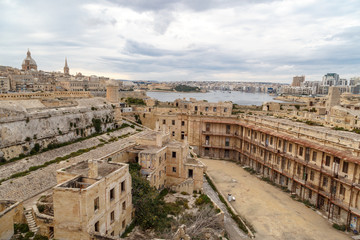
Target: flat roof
(104, 168)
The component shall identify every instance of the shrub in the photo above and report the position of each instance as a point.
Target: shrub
(97, 124)
(203, 199)
(135, 101)
(339, 227)
(41, 208)
(35, 149)
(29, 235)
(21, 227)
(40, 237)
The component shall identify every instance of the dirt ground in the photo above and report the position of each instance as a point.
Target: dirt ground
(272, 212)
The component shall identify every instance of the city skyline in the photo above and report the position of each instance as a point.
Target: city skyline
(261, 41)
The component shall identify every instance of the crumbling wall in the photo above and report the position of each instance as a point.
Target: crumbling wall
(31, 130)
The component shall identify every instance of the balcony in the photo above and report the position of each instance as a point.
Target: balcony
(218, 134)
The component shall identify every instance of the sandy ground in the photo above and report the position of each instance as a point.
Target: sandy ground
(272, 212)
(232, 229)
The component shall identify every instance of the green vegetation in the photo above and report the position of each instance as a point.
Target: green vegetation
(356, 130)
(21, 228)
(203, 199)
(97, 124)
(186, 88)
(36, 148)
(40, 237)
(135, 101)
(22, 232)
(311, 123)
(149, 206)
(137, 119)
(339, 128)
(41, 208)
(339, 227)
(128, 230)
(57, 145)
(29, 235)
(58, 160)
(151, 211)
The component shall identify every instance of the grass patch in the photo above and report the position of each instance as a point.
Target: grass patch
(57, 160)
(339, 227)
(51, 146)
(128, 230)
(21, 228)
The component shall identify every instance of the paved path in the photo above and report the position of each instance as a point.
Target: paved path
(231, 227)
(274, 215)
(23, 188)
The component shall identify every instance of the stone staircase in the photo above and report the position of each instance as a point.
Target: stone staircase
(30, 220)
(185, 186)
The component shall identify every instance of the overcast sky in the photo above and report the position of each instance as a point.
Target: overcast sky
(168, 40)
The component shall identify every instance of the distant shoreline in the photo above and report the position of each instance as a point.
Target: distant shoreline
(168, 91)
(238, 97)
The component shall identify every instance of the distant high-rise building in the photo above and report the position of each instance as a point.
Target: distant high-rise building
(66, 68)
(297, 80)
(330, 79)
(354, 81)
(29, 63)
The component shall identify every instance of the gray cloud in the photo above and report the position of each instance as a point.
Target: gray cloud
(195, 5)
(176, 40)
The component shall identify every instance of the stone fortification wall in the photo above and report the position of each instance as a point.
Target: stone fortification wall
(133, 94)
(23, 124)
(42, 95)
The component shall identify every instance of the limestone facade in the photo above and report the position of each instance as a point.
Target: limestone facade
(102, 195)
(168, 163)
(320, 165)
(112, 93)
(10, 212)
(92, 198)
(4, 84)
(24, 123)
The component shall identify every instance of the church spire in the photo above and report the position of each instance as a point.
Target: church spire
(66, 68)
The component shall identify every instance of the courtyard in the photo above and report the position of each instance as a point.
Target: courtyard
(272, 212)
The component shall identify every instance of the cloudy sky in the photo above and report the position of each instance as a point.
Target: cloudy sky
(168, 40)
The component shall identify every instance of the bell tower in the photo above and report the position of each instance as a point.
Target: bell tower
(66, 68)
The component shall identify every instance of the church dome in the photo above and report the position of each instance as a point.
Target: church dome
(29, 63)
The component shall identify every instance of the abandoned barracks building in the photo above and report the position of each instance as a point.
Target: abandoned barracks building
(92, 198)
(319, 164)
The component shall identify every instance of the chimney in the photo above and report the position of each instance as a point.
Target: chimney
(93, 168)
(157, 127)
(159, 139)
(185, 140)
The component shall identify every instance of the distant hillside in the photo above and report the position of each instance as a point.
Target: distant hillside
(186, 88)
